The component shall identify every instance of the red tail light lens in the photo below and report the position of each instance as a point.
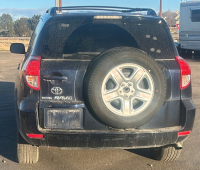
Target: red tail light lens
(185, 72)
(32, 72)
(185, 133)
(36, 136)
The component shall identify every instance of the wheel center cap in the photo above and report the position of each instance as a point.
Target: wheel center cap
(126, 89)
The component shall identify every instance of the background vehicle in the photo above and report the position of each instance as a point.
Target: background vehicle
(189, 35)
(102, 77)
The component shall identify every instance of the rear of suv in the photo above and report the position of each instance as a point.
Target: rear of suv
(102, 77)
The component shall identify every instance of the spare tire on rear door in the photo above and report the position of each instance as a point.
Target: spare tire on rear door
(124, 88)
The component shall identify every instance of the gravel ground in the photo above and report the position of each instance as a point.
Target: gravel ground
(56, 158)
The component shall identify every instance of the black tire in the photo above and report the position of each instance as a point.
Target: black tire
(26, 153)
(169, 153)
(96, 74)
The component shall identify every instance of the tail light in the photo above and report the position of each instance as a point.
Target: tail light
(32, 72)
(185, 72)
(185, 133)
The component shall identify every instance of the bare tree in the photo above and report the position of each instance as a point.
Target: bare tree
(170, 18)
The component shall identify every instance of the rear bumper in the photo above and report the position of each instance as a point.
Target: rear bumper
(132, 138)
(111, 140)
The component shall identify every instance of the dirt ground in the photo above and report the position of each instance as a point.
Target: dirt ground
(56, 158)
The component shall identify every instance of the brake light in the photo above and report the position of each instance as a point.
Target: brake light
(185, 133)
(107, 17)
(185, 72)
(32, 72)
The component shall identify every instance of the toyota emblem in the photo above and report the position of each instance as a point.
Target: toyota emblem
(56, 90)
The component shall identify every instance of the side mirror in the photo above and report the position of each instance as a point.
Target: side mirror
(18, 48)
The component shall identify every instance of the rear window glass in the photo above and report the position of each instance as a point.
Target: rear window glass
(63, 39)
(195, 15)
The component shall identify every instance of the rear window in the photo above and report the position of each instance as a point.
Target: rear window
(63, 39)
(195, 15)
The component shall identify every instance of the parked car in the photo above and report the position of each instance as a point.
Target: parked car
(102, 77)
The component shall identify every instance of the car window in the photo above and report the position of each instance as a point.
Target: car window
(64, 38)
(195, 15)
(35, 33)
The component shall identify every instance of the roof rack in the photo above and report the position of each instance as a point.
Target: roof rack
(56, 10)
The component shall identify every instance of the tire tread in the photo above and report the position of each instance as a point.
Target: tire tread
(93, 72)
(169, 153)
(26, 153)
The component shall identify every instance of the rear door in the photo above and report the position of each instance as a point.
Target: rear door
(61, 79)
(62, 71)
(58, 80)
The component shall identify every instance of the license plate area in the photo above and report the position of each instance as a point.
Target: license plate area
(63, 119)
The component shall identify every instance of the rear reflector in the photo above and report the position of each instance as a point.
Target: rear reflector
(184, 133)
(36, 136)
(32, 72)
(185, 72)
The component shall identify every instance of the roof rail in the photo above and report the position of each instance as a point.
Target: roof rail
(55, 10)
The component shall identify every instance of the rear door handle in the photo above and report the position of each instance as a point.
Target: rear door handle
(49, 78)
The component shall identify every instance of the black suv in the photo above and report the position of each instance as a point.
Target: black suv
(102, 77)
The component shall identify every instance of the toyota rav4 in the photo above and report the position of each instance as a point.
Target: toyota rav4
(102, 77)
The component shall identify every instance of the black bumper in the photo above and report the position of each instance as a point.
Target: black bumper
(112, 138)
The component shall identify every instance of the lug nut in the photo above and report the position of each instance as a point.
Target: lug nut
(129, 84)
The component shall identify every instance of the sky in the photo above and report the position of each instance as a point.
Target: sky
(27, 8)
